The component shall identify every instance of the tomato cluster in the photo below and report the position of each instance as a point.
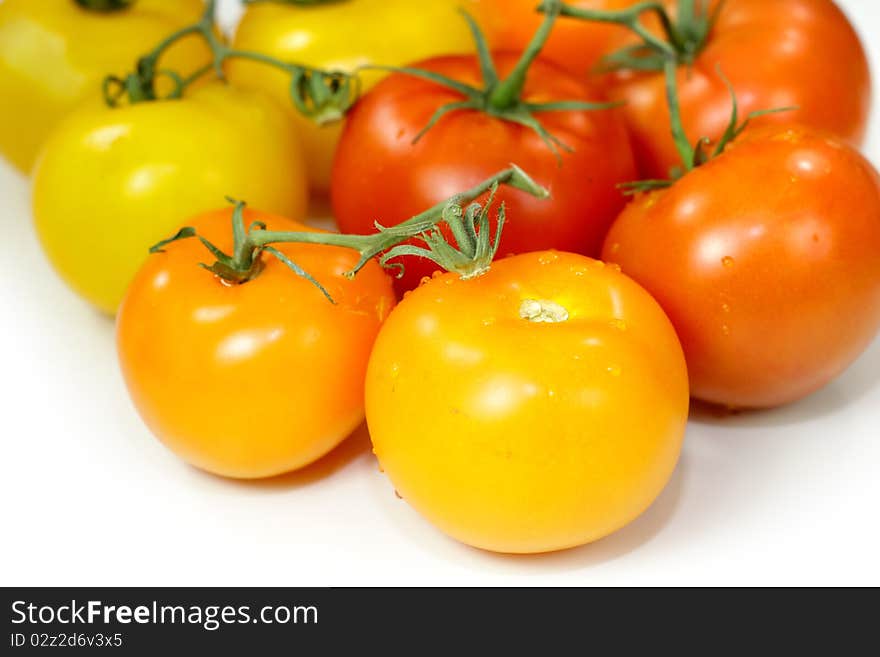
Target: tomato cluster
(556, 227)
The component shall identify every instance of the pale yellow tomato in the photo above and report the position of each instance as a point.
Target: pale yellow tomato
(112, 182)
(55, 53)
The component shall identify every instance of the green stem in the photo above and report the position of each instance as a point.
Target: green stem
(369, 246)
(693, 156)
(105, 5)
(474, 253)
(501, 99)
(506, 94)
(324, 96)
(629, 18)
(684, 38)
(679, 136)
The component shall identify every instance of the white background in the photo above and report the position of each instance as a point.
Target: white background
(90, 497)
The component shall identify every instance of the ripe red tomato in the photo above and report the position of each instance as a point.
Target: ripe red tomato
(576, 46)
(767, 261)
(784, 53)
(380, 175)
(255, 379)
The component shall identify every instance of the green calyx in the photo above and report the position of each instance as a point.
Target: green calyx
(471, 255)
(683, 38)
(105, 6)
(502, 98)
(698, 153)
(323, 96)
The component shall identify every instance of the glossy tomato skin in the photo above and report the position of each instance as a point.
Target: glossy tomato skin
(342, 36)
(55, 54)
(785, 53)
(767, 261)
(112, 182)
(523, 437)
(252, 380)
(380, 175)
(577, 46)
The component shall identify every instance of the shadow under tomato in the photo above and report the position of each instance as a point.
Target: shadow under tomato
(632, 537)
(353, 448)
(638, 533)
(860, 380)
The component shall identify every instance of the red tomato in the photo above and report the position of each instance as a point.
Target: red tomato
(784, 53)
(380, 175)
(767, 261)
(576, 46)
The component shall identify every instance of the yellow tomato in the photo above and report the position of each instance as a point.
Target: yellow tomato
(55, 53)
(112, 182)
(342, 35)
(537, 407)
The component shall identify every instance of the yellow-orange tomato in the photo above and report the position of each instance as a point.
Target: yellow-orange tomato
(255, 379)
(537, 407)
(342, 35)
(55, 53)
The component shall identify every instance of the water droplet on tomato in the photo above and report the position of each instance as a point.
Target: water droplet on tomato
(615, 248)
(614, 370)
(618, 324)
(728, 261)
(725, 308)
(548, 258)
(425, 279)
(725, 329)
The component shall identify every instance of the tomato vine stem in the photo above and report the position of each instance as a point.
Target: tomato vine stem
(501, 98)
(105, 5)
(323, 96)
(693, 156)
(471, 255)
(683, 38)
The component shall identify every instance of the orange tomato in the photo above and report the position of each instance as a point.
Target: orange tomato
(256, 379)
(767, 260)
(536, 407)
(574, 45)
(785, 53)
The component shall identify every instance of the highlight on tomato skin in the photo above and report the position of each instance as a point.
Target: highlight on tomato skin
(255, 379)
(537, 407)
(767, 261)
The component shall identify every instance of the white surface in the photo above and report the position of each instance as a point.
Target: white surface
(90, 497)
